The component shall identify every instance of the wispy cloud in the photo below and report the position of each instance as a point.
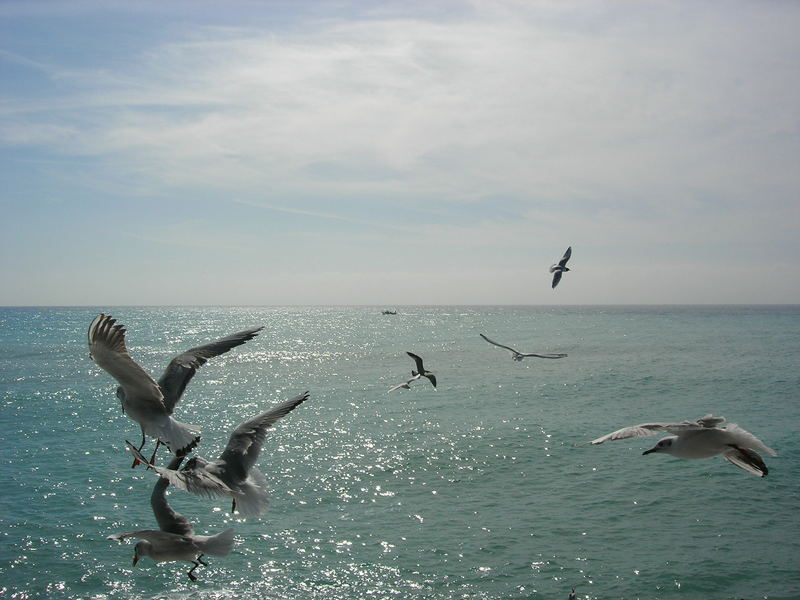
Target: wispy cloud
(508, 99)
(612, 123)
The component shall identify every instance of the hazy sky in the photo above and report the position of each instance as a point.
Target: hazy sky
(371, 152)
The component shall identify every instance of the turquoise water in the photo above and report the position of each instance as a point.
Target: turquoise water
(474, 490)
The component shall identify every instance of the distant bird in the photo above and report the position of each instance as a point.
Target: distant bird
(406, 384)
(519, 355)
(561, 267)
(151, 407)
(572, 595)
(421, 370)
(175, 539)
(702, 439)
(233, 474)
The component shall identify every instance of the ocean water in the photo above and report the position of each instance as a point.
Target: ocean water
(475, 490)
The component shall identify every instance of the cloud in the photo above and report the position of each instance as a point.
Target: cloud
(507, 99)
(501, 129)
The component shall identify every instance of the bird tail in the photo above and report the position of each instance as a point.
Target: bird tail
(179, 437)
(254, 500)
(216, 545)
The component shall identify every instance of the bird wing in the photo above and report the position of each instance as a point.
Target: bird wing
(643, 430)
(151, 535)
(647, 429)
(710, 421)
(565, 258)
(406, 384)
(182, 368)
(245, 443)
(107, 349)
(538, 355)
(745, 439)
(556, 278)
(500, 345)
(746, 459)
(432, 377)
(194, 481)
(418, 360)
(168, 520)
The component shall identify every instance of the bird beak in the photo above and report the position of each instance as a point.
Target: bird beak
(648, 451)
(135, 559)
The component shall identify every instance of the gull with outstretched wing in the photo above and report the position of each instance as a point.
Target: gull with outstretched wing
(702, 438)
(560, 267)
(175, 538)
(233, 474)
(516, 355)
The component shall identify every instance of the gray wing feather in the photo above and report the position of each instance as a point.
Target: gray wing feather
(745, 439)
(648, 429)
(200, 483)
(643, 430)
(152, 535)
(565, 258)
(245, 443)
(182, 368)
(502, 346)
(107, 349)
(418, 361)
(748, 460)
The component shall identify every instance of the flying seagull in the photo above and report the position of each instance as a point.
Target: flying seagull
(406, 384)
(421, 370)
(103, 334)
(520, 355)
(561, 267)
(702, 439)
(234, 473)
(141, 397)
(175, 538)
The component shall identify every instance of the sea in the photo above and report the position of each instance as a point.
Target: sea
(482, 488)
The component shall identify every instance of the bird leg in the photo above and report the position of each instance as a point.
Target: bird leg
(201, 561)
(136, 460)
(233, 506)
(153, 458)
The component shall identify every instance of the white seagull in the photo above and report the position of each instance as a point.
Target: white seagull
(560, 267)
(702, 439)
(405, 384)
(520, 355)
(234, 473)
(175, 539)
(421, 370)
(150, 407)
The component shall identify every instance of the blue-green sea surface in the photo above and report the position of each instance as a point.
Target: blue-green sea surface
(478, 489)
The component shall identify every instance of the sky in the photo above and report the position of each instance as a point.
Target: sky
(392, 153)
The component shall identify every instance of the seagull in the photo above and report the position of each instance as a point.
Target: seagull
(702, 439)
(234, 473)
(519, 355)
(407, 384)
(139, 399)
(422, 371)
(175, 539)
(561, 267)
